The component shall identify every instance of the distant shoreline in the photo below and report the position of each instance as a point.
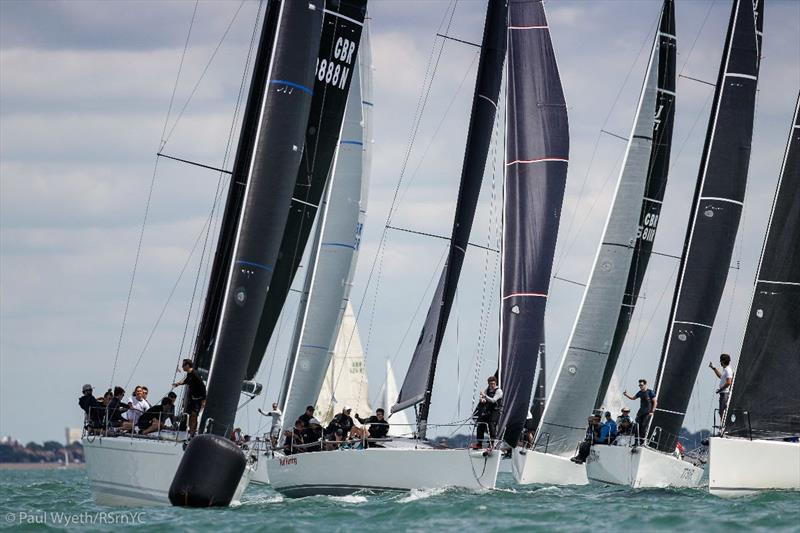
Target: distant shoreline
(39, 466)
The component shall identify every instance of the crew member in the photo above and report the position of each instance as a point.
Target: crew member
(196, 392)
(488, 410)
(725, 376)
(647, 406)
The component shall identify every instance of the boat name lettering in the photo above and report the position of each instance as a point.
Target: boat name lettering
(286, 461)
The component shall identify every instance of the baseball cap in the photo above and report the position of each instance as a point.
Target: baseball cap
(87, 388)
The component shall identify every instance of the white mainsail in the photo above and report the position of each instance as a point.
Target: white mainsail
(334, 252)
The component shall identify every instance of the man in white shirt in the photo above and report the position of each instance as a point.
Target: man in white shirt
(136, 406)
(725, 376)
(277, 422)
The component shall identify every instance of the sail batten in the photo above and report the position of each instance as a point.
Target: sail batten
(588, 353)
(764, 403)
(713, 225)
(537, 155)
(418, 382)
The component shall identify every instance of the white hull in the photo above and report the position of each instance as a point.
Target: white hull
(530, 467)
(737, 467)
(258, 473)
(640, 467)
(125, 471)
(346, 471)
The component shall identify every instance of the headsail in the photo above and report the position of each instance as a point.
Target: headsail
(337, 60)
(654, 190)
(331, 268)
(713, 225)
(540, 392)
(764, 401)
(537, 152)
(578, 377)
(284, 106)
(419, 378)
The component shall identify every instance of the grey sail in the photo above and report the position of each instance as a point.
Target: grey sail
(713, 225)
(537, 154)
(579, 375)
(764, 401)
(334, 254)
(418, 382)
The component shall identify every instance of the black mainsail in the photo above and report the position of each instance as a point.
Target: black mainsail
(764, 401)
(714, 223)
(654, 189)
(338, 49)
(284, 107)
(540, 392)
(419, 378)
(537, 153)
(209, 322)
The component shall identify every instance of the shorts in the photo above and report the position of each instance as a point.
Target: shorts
(194, 405)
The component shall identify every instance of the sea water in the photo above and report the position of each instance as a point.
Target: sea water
(39, 500)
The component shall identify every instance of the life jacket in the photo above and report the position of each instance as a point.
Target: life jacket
(490, 407)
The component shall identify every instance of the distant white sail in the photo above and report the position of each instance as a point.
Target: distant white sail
(399, 423)
(346, 379)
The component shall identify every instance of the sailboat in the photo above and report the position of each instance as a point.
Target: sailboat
(616, 275)
(405, 464)
(758, 448)
(289, 89)
(708, 246)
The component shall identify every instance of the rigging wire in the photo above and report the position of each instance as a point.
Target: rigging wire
(178, 76)
(166, 139)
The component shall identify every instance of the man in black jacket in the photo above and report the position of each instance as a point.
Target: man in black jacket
(196, 391)
(378, 425)
(94, 410)
(154, 418)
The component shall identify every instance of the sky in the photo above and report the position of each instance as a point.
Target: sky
(85, 92)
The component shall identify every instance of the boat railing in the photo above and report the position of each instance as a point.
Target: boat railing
(98, 423)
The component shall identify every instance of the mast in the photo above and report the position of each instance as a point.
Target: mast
(764, 401)
(329, 277)
(341, 35)
(283, 111)
(581, 369)
(713, 225)
(654, 190)
(419, 378)
(537, 155)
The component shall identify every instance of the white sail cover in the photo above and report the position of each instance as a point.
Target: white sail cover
(399, 424)
(345, 381)
(578, 378)
(334, 254)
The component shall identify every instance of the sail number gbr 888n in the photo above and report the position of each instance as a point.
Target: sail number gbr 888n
(333, 72)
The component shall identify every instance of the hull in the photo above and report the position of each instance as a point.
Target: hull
(126, 471)
(737, 467)
(531, 467)
(640, 467)
(258, 475)
(344, 472)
